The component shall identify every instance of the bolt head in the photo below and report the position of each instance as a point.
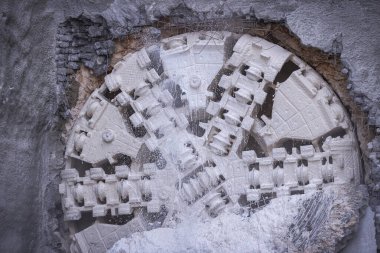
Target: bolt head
(195, 82)
(108, 136)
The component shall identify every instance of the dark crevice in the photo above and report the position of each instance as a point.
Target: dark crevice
(155, 220)
(252, 205)
(267, 107)
(106, 166)
(85, 221)
(243, 69)
(279, 164)
(123, 160)
(215, 88)
(289, 144)
(195, 128)
(334, 133)
(154, 55)
(297, 192)
(254, 166)
(116, 220)
(251, 143)
(138, 131)
(175, 90)
(287, 69)
(229, 46)
(111, 94)
(80, 165)
(303, 162)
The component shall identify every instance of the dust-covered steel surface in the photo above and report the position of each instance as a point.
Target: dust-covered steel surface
(199, 122)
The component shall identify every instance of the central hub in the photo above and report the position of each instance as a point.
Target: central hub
(195, 82)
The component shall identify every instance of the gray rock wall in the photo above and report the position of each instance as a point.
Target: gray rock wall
(33, 104)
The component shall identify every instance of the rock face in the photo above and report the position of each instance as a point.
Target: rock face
(33, 87)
